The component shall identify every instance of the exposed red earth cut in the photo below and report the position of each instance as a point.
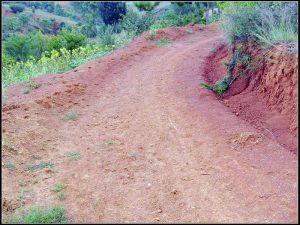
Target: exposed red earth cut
(154, 146)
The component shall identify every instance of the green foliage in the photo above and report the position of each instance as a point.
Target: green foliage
(16, 8)
(138, 23)
(53, 215)
(21, 48)
(276, 26)
(58, 187)
(45, 25)
(24, 18)
(15, 47)
(11, 24)
(146, 6)
(268, 22)
(58, 10)
(107, 35)
(72, 39)
(51, 63)
(220, 86)
(111, 12)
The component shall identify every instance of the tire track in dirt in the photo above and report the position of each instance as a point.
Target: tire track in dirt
(154, 146)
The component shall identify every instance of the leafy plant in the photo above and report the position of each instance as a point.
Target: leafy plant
(58, 187)
(138, 23)
(53, 215)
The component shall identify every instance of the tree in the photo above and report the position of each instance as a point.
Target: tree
(15, 8)
(111, 12)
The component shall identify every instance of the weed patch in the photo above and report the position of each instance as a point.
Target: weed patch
(39, 166)
(71, 116)
(151, 36)
(163, 41)
(9, 165)
(58, 187)
(73, 155)
(53, 215)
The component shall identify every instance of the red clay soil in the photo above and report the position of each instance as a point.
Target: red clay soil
(267, 98)
(154, 145)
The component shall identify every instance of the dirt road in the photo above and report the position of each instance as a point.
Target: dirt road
(154, 146)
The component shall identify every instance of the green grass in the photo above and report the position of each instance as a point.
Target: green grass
(58, 187)
(39, 166)
(73, 155)
(52, 215)
(71, 115)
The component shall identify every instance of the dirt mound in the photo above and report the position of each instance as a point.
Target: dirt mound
(266, 97)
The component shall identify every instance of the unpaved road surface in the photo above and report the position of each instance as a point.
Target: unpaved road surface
(154, 146)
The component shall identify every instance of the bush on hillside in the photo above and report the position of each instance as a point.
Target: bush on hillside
(146, 6)
(15, 47)
(16, 8)
(20, 48)
(138, 23)
(45, 25)
(267, 22)
(111, 12)
(24, 18)
(11, 23)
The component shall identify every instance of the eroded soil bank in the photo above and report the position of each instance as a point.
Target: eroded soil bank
(266, 97)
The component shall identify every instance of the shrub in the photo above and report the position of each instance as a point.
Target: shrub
(24, 18)
(51, 215)
(277, 26)
(111, 12)
(89, 29)
(107, 36)
(11, 23)
(146, 6)
(135, 22)
(15, 47)
(20, 48)
(45, 25)
(268, 22)
(58, 10)
(72, 40)
(15, 8)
